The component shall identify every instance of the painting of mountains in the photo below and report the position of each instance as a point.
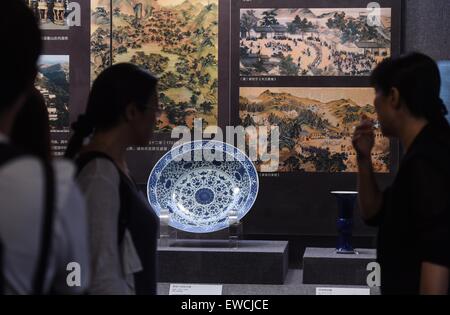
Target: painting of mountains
(316, 125)
(312, 42)
(178, 42)
(53, 83)
(100, 36)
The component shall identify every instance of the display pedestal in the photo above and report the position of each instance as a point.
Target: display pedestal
(213, 261)
(325, 266)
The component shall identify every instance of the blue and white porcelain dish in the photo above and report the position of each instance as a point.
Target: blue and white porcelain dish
(199, 182)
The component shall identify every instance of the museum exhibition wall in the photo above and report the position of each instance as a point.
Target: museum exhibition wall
(302, 65)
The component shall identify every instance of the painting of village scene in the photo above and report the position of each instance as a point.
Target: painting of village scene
(53, 83)
(100, 36)
(316, 126)
(176, 40)
(312, 42)
(51, 14)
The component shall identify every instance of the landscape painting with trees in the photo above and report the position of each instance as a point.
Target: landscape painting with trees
(312, 42)
(316, 125)
(100, 36)
(176, 40)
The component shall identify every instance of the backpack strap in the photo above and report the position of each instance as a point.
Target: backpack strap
(47, 231)
(82, 161)
(2, 278)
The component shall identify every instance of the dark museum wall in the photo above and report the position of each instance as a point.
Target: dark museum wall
(427, 27)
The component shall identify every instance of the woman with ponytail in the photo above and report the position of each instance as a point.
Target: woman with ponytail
(413, 215)
(121, 112)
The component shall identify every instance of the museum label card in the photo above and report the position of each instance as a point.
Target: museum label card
(195, 289)
(342, 291)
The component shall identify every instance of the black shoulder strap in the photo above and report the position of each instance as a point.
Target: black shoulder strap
(47, 230)
(82, 161)
(2, 278)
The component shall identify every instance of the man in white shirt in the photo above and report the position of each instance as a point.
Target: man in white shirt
(23, 180)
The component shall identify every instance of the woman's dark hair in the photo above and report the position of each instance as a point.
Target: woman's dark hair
(31, 130)
(114, 89)
(417, 78)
